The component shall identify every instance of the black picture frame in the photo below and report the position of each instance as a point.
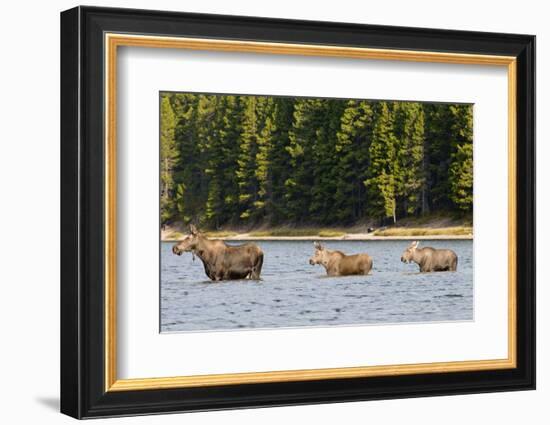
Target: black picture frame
(83, 392)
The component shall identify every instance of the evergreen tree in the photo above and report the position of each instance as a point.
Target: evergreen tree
(382, 180)
(461, 169)
(247, 178)
(208, 122)
(279, 158)
(254, 160)
(262, 204)
(325, 165)
(438, 134)
(223, 192)
(409, 131)
(188, 171)
(352, 150)
(308, 119)
(168, 156)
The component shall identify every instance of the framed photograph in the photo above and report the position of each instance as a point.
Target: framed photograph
(261, 212)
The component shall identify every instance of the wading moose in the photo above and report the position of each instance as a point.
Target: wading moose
(337, 263)
(430, 259)
(221, 261)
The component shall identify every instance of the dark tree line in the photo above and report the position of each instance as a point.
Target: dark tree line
(253, 160)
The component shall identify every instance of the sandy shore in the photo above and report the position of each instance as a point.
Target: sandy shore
(346, 237)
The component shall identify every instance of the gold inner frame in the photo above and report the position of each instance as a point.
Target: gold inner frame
(113, 41)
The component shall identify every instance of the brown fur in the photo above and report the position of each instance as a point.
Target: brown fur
(336, 263)
(430, 259)
(221, 261)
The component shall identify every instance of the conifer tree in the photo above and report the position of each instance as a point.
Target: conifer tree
(255, 160)
(325, 168)
(253, 121)
(308, 119)
(168, 156)
(262, 204)
(352, 150)
(438, 135)
(409, 131)
(187, 171)
(279, 158)
(461, 169)
(382, 183)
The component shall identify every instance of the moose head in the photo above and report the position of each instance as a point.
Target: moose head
(320, 255)
(408, 254)
(189, 242)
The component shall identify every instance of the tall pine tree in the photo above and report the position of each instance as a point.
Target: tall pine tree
(382, 179)
(168, 157)
(309, 118)
(461, 169)
(352, 151)
(409, 132)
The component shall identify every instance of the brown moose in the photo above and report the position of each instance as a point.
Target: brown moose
(430, 259)
(221, 261)
(337, 263)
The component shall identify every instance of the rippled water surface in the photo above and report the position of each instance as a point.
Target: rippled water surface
(292, 293)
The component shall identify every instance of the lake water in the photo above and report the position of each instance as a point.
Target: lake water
(293, 293)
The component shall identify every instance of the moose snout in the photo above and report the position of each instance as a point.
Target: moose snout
(176, 250)
(311, 262)
(403, 259)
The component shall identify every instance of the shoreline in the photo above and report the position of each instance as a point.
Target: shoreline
(347, 237)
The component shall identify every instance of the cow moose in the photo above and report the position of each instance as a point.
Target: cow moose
(430, 259)
(222, 261)
(336, 263)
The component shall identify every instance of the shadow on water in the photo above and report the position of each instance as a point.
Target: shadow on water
(228, 281)
(352, 277)
(419, 273)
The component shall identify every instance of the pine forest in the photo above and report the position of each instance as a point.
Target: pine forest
(252, 161)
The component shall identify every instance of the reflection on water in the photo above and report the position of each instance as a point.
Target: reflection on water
(292, 293)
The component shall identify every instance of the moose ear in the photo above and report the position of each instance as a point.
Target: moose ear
(415, 243)
(193, 229)
(318, 245)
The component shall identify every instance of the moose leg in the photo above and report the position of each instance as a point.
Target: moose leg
(368, 267)
(453, 264)
(217, 276)
(257, 267)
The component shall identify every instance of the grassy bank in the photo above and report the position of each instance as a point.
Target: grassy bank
(456, 232)
(437, 226)
(298, 232)
(210, 234)
(425, 231)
